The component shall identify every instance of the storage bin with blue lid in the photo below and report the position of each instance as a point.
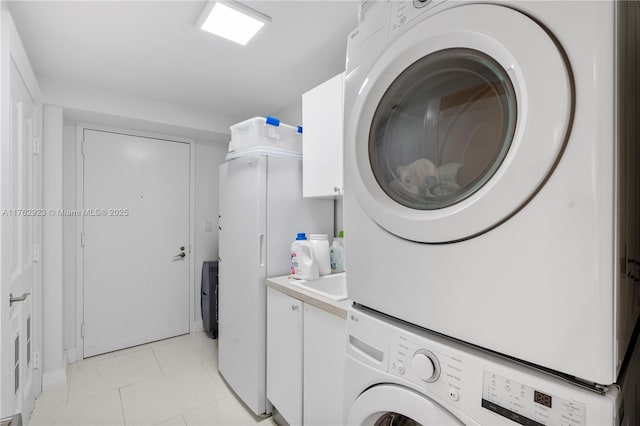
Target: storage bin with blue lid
(265, 133)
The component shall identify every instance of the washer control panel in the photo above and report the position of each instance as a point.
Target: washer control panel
(425, 366)
(528, 406)
(406, 11)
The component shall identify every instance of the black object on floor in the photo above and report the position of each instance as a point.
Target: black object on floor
(209, 298)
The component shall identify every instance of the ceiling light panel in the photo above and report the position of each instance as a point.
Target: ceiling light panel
(233, 21)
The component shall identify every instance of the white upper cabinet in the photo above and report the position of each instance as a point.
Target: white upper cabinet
(322, 122)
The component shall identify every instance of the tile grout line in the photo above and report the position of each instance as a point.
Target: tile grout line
(124, 419)
(219, 382)
(157, 361)
(196, 409)
(69, 373)
(223, 396)
(119, 386)
(66, 399)
(200, 363)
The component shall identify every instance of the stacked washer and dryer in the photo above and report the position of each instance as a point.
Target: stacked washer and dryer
(491, 154)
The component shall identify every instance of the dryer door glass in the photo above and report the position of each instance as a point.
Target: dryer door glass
(395, 419)
(442, 128)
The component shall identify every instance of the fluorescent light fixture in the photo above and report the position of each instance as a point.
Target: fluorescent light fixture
(232, 20)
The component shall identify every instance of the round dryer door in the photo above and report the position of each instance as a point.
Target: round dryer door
(459, 123)
(389, 405)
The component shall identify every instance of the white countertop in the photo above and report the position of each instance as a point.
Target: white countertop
(287, 285)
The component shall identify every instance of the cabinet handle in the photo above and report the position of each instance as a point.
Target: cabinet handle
(261, 250)
(336, 189)
(294, 307)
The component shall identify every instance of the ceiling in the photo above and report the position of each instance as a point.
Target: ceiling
(153, 49)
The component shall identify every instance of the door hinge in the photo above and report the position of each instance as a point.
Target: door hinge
(82, 148)
(82, 330)
(36, 360)
(82, 239)
(36, 146)
(36, 253)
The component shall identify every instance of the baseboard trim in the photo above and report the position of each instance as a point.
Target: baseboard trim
(55, 378)
(72, 356)
(196, 327)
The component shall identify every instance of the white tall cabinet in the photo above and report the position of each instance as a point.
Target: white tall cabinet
(322, 122)
(261, 211)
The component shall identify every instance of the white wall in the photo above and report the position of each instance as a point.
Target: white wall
(209, 154)
(69, 224)
(208, 158)
(338, 217)
(95, 106)
(52, 252)
(164, 117)
(292, 114)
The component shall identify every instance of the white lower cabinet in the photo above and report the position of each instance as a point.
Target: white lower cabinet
(284, 355)
(305, 361)
(323, 376)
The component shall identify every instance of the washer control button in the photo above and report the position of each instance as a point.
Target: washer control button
(401, 368)
(454, 395)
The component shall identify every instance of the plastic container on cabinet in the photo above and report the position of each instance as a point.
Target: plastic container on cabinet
(265, 133)
(320, 245)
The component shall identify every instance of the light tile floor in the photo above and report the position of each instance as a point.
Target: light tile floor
(170, 382)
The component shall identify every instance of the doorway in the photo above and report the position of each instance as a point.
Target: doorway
(135, 240)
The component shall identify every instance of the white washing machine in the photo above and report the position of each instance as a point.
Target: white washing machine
(491, 177)
(396, 374)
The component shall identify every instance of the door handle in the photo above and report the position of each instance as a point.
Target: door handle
(15, 420)
(12, 299)
(182, 254)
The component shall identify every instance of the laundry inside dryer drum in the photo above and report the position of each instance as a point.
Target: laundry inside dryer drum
(395, 419)
(442, 128)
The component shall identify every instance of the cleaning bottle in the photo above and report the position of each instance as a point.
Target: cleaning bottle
(320, 250)
(337, 253)
(303, 264)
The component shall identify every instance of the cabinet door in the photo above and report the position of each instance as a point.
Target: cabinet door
(322, 121)
(324, 356)
(284, 355)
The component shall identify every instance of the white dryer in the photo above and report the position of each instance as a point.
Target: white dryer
(396, 374)
(490, 175)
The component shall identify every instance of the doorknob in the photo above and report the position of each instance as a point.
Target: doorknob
(182, 254)
(15, 420)
(12, 299)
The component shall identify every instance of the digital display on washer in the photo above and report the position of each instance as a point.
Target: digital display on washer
(525, 405)
(542, 398)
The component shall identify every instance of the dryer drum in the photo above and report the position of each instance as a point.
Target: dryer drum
(442, 128)
(395, 419)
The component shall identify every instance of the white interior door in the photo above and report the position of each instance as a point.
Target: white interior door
(136, 240)
(21, 239)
